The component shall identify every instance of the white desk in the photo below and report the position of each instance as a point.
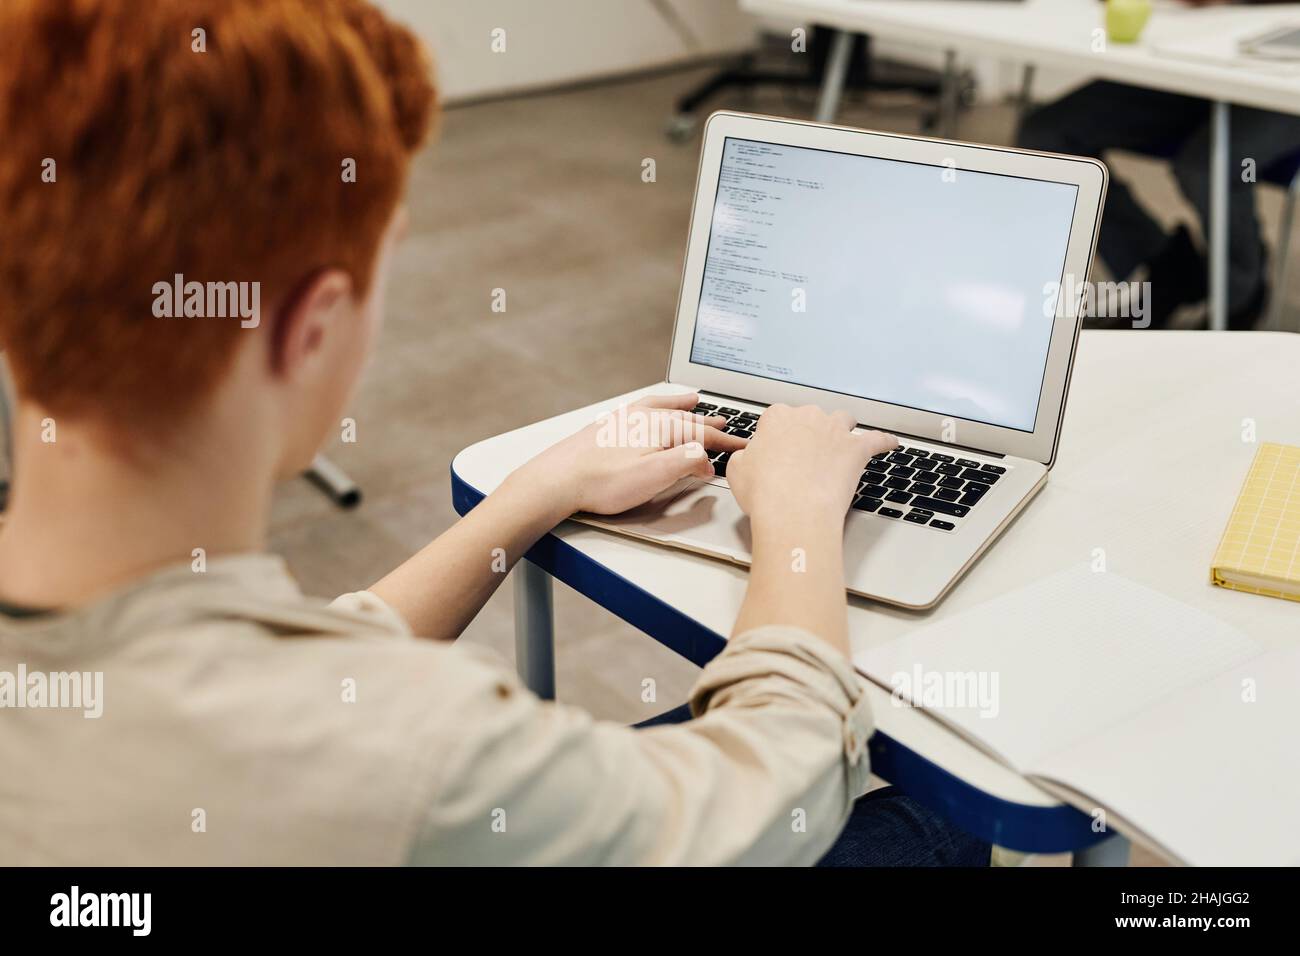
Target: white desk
(1061, 33)
(1141, 403)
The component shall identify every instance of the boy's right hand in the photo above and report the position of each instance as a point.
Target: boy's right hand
(803, 464)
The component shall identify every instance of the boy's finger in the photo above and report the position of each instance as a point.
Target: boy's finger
(880, 441)
(673, 464)
(715, 440)
(685, 428)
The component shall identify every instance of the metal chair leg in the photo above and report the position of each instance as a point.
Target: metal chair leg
(837, 70)
(332, 480)
(1025, 98)
(950, 96)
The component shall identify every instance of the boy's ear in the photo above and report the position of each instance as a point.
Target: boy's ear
(306, 317)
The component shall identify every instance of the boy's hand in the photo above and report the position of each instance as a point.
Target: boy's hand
(630, 455)
(803, 464)
(795, 481)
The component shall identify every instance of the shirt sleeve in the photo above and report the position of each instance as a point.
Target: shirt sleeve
(371, 608)
(765, 774)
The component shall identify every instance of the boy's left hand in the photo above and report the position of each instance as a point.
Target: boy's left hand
(630, 455)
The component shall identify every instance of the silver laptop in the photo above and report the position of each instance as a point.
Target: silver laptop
(932, 289)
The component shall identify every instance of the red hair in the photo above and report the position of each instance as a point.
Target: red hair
(202, 137)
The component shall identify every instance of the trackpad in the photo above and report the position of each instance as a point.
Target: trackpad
(700, 517)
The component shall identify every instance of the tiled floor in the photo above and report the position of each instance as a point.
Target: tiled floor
(542, 197)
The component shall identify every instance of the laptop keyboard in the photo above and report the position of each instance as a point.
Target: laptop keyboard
(911, 484)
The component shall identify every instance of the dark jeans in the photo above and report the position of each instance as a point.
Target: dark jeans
(1105, 115)
(886, 828)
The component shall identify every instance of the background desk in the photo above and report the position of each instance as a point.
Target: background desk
(1144, 406)
(1060, 33)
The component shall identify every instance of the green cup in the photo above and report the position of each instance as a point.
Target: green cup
(1126, 18)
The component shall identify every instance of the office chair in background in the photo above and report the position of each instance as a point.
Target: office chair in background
(865, 74)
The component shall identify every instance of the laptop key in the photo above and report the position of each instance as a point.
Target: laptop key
(866, 504)
(948, 468)
(728, 411)
(942, 525)
(872, 491)
(950, 482)
(898, 497)
(967, 463)
(720, 464)
(950, 494)
(898, 458)
(751, 416)
(916, 518)
(877, 466)
(988, 477)
(976, 488)
(922, 488)
(969, 499)
(922, 511)
(917, 453)
(704, 408)
(935, 456)
(996, 469)
(941, 507)
(873, 478)
(890, 513)
(898, 484)
(929, 477)
(902, 471)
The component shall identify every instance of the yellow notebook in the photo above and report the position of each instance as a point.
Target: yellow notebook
(1260, 548)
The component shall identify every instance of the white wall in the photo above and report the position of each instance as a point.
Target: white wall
(549, 42)
(556, 41)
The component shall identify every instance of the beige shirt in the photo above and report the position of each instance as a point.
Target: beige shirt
(243, 723)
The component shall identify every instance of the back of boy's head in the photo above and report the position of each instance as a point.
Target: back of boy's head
(222, 140)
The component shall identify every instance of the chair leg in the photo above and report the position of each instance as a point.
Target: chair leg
(332, 480)
(1025, 98)
(1283, 254)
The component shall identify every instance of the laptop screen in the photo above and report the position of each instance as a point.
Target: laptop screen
(916, 285)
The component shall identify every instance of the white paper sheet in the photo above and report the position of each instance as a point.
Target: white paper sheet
(1054, 662)
(1211, 773)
